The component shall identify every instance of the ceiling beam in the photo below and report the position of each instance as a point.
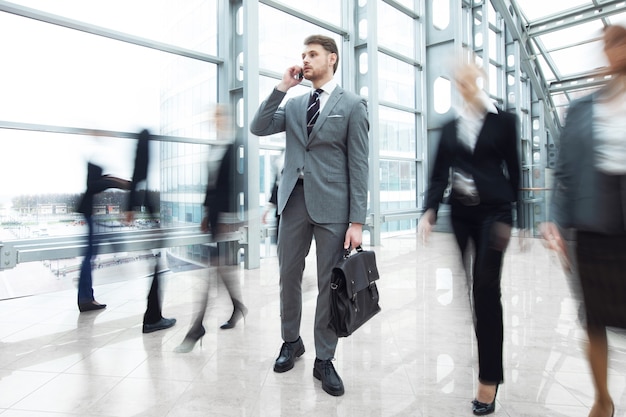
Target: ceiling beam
(578, 82)
(574, 17)
(518, 32)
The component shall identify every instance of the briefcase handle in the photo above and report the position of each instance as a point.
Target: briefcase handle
(347, 252)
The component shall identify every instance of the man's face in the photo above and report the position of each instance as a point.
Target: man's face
(317, 63)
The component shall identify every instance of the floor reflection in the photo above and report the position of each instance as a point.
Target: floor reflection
(416, 358)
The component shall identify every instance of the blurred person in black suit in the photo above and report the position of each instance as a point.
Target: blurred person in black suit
(479, 148)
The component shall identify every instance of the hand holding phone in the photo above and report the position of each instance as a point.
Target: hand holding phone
(300, 75)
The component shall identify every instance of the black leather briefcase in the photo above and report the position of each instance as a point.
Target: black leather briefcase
(354, 295)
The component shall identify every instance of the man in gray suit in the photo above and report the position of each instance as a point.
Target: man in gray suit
(322, 194)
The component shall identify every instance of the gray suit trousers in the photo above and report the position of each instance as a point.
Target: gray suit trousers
(295, 233)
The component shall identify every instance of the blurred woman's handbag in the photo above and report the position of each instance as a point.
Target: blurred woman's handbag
(353, 292)
(465, 188)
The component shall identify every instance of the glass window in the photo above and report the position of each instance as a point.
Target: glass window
(569, 63)
(192, 25)
(329, 10)
(70, 78)
(277, 51)
(62, 157)
(397, 184)
(493, 45)
(397, 132)
(397, 81)
(396, 30)
(441, 14)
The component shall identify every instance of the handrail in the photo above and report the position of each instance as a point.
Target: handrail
(398, 215)
(13, 252)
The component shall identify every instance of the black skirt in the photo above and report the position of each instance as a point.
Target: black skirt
(602, 271)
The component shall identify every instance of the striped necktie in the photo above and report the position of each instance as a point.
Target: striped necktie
(313, 111)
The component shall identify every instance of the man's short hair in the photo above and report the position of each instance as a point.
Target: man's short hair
(327, 43)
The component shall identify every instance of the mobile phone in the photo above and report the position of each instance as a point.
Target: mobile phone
(300, 75)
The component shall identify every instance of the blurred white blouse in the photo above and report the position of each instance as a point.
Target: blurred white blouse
(609, 131)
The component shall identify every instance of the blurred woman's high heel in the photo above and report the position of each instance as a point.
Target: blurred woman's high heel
(189, 342)
(239, 312)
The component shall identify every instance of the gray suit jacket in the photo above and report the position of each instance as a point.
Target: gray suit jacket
(334, 157)
(585, 198)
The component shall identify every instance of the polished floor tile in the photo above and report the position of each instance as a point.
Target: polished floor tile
(416, 358)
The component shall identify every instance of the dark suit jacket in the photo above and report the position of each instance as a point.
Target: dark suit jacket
(583, 197)
(494, 164)
(96, 183)
(140, 172)
(219, 197)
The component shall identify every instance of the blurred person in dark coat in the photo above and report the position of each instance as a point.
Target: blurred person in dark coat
(590, 198)
(97, 182)
(272, 202)
(153, 319)
(479, 147)
(219, 220)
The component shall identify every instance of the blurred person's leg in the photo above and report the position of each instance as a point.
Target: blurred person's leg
(601, 261)
(197, 331)
(153, 309)
(230, 277)
(85, 282)
(489, 235)
(153, 319)
(598, 353)
(86, 301)
(491, 241)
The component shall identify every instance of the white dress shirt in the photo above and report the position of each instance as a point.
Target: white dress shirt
(470, 122)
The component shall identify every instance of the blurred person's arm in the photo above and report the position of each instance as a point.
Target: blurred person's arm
(439, 181)
(426, 224)
(554, 241)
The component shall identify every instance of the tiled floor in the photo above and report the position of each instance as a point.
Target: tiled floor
(416, 358)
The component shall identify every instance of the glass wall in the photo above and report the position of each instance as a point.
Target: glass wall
(80, 80)
(399, 113)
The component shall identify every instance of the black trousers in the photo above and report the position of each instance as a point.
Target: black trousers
(489, 229)
(153, 311)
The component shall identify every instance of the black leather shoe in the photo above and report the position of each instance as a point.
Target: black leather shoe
(91, 306)
(482, 409)
(159, 325)
(288, 354)
(331, 381)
